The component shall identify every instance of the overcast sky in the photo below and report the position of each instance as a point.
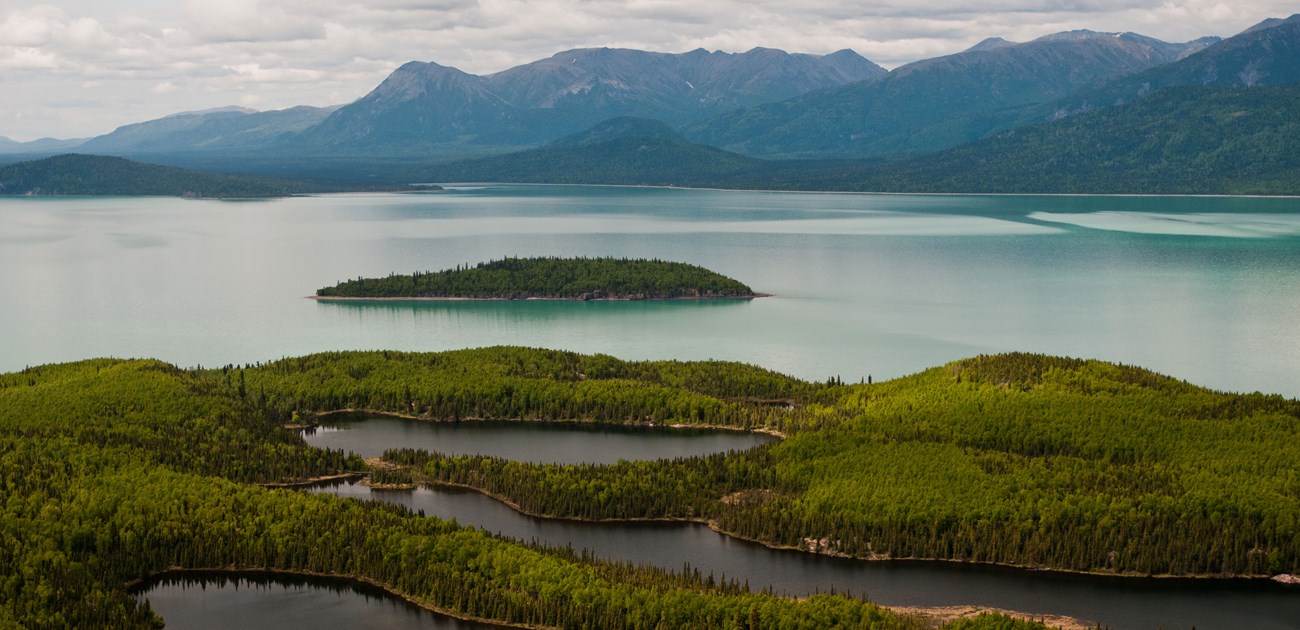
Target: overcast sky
(71, 68)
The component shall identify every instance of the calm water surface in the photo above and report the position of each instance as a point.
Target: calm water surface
(542, 443)
(1201, 288)
(200, 600)
(1204, 289)
(1123, 604)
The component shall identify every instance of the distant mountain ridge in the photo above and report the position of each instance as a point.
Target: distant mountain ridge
(1183, 140)
(423, 104)
(668, 113)
(1267, 54)
(935, 103)
(224, 128)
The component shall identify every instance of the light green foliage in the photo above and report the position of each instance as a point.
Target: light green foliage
(112, 470)
(1016, 458)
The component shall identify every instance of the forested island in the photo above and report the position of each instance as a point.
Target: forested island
(95, 175)
(115, 470)
(550, 279)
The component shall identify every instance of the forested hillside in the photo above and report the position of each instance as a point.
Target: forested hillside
(1018, 459)
(114, 470)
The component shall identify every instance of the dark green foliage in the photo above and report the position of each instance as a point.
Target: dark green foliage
(551, 278)
(112, 470)
(524, 384)
(75, 174)
(1020, 459)
(680, 488)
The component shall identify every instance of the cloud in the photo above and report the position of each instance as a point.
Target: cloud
(323, 52)
(251, 20)
(255, 72)
(31, 27)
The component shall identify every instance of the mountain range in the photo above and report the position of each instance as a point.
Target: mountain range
(618, 110)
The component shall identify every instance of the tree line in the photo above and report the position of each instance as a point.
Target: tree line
(113, 470)
(552, 278)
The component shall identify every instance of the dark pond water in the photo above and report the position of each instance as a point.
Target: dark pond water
(1124, 604)
(546, 443)
(214, 600)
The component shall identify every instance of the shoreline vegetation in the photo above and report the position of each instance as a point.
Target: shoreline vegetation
(814, 546)
(570, 279)
(83, 175)
(116, 469)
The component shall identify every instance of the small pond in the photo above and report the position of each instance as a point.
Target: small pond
(539, 442)
(217, 600)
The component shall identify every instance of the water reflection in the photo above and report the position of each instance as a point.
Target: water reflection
(216, 600)
(538, 442)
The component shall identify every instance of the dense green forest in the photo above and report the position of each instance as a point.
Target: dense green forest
(75, 174)
(1017, 459)
(551, 278)
(112, 470)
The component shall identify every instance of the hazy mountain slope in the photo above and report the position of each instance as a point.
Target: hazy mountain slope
(1264, 55)
(418, 104)
(1178, 140)
(682, 87)
(222, 129)
(35, 147)
(424, 104)
(1182, 140)
(620, 151)
(934, 103)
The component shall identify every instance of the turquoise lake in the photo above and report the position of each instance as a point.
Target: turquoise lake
(1205, 289)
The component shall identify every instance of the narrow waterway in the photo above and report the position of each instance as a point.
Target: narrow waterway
(1119, 603)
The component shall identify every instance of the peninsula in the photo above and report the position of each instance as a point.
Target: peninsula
(549, 279)
(101, 175)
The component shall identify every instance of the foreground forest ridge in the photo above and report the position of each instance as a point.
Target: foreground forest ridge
(114, 470)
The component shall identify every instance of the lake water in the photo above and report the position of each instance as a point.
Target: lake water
(1201, 288)
(213, 600)
(1205, 289)
(1118, 603)
(542, 443)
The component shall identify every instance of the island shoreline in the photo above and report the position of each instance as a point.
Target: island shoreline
(329, 298)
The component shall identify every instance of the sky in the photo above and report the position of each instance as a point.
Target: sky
(78, 68)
